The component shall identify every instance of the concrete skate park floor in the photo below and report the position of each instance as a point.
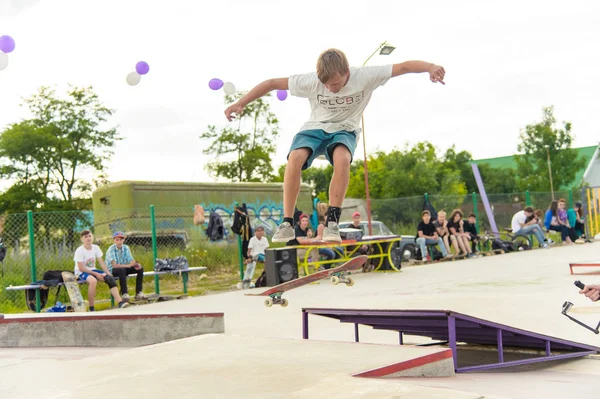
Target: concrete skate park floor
(524, 290)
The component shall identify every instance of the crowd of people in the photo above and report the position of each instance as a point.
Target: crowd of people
(456, 236)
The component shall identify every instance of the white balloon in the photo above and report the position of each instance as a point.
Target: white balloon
(228, 88)
(133, 78)
(3, 61)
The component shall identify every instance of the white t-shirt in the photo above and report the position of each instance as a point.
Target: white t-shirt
(88, 257)
(258, 246)
(517, 219)
(343, 110)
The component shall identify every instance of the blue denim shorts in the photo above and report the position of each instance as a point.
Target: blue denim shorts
(83, 276)
(323, 143)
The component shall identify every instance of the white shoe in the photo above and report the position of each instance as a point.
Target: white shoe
(285, 232)
(331, 232)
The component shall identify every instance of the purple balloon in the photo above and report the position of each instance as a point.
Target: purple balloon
(7, 44)
(282, 94)
(215, 84)
(142, 67)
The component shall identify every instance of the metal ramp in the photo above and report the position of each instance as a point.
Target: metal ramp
(454, 329)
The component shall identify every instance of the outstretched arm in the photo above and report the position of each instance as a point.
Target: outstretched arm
(436, 72)
(260, 90)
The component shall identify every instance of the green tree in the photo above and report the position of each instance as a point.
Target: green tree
(498, 180)
(48, 153)
(250, 143)
(541, 141)
(404, 173)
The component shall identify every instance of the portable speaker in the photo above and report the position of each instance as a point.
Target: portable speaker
(281, 265)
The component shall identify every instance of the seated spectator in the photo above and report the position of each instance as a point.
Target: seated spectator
(554, 223)
(524, 223)
(364, 249)
(470, 228)
(456, 228)
(575, 216)
(256, 253)
(441, 226)
(427, 235)
(302, 238)
(257, 245)
(85, 269)
(327, 253)
(121, 264)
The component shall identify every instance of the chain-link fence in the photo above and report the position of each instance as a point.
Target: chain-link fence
(171, 232)
(402, 215)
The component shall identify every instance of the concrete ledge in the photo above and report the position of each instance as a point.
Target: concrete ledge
(440, 364)
(106, 331)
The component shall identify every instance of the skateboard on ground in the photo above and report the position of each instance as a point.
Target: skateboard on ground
(155, 298)
(336, 274)
(70, 282)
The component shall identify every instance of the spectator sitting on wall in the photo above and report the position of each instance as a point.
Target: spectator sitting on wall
(553, 222)
(441, 226)
(524, 223)
(470, 227)
(575, 216)
(456, 228)
(301, 231)
(427, 235)
(363, 249)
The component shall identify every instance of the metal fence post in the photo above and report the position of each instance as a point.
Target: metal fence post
(570, 198)
(527, 198)
(475, 211)
(154, 247)
(32, 257)
(240, 256)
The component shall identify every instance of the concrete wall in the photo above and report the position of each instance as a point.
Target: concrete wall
(106, 331)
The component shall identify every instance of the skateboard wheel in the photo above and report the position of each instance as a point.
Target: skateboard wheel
(350, 282)
(284, 302)
(335, 280)
(268, 302)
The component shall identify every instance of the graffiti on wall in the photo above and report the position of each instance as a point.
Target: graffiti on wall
(268, 214)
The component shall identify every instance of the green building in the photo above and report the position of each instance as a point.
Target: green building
(125, 206)
(589, 174)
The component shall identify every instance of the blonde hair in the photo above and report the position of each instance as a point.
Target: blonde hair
(331, 62)
(442, 213)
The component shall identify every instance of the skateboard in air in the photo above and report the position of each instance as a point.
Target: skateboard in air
(336, 275)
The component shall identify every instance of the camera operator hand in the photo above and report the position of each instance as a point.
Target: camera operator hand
(591, 291)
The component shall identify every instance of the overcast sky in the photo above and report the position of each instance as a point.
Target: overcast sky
(504, 61)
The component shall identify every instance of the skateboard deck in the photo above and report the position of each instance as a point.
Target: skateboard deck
(156, 298)
(337, 275)
(70, 282)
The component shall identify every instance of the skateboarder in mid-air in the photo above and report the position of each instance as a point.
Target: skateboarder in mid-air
(338, 95)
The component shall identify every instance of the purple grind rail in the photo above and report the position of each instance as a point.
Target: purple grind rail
(451, 327)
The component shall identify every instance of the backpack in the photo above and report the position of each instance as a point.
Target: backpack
(215, 227)
(427, 206)
(261, 281)
(50, 278)
(30, 298)
(168, 264)
(506, 246)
